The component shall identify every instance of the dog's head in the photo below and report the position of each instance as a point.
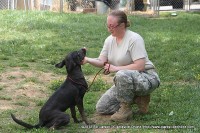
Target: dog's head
(72, 60)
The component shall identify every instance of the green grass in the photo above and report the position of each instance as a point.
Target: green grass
(38, 40)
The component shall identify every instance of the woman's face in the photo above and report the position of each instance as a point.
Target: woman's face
(113, 26)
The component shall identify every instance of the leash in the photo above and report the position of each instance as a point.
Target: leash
(106, 72)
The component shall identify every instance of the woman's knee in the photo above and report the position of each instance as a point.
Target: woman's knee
(100, 107)
(103, 108)
(108, 103)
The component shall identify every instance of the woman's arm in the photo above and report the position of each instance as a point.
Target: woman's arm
(136, 65)
(97, 62)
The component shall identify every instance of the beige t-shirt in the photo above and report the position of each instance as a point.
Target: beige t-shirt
(131, 48)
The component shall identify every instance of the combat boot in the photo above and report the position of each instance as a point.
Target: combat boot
(142, 103)
(123, 114)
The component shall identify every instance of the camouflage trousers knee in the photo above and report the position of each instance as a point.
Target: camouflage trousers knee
(127, 85)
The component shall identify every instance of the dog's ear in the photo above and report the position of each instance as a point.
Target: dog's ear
(61, 64)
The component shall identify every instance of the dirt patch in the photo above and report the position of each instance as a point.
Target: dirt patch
(107, 78)
(105, 125)
(17, 83)
(101, 119)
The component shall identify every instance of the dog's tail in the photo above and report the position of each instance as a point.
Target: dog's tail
(26, 125)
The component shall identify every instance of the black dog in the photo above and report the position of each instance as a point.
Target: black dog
(69, 95)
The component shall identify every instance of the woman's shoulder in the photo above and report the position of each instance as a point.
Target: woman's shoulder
(109, 38)
(132, 33)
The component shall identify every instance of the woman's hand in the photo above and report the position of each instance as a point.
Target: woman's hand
(97, 62)
(110, 68)
(84, 61)
(136, 65)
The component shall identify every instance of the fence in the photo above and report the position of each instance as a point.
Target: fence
(179, 5)
(151, 7)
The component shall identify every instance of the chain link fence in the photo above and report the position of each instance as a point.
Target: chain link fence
(179, 5)
(77, 5)
(4, 4)
(102, 6)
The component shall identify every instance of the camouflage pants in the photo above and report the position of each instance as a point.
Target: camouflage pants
(127, 85)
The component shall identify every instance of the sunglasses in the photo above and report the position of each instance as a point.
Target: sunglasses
(112, 27)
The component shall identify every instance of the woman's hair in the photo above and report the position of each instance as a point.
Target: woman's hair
(122, 17)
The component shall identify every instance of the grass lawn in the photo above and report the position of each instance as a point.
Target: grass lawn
(31, 43)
